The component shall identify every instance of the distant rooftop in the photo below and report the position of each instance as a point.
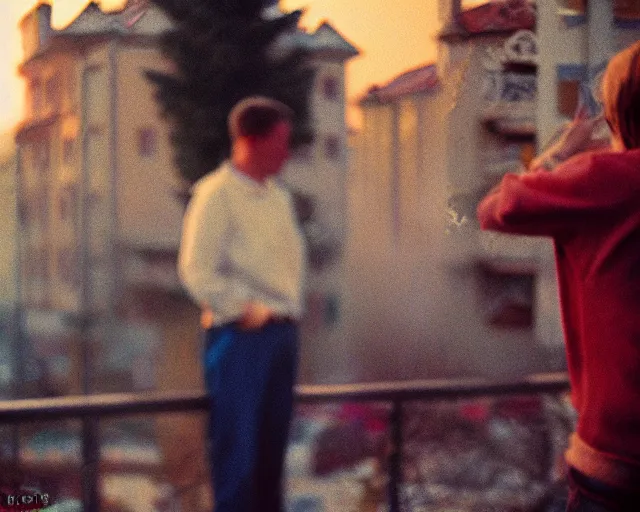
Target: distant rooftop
(415, 81)
(325, 39)
(497, 16)
(144, 18)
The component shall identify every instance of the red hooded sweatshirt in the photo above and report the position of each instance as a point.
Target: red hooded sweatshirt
(590, 206)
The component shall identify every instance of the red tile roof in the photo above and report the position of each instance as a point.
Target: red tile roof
(419, 80)
(499, 16)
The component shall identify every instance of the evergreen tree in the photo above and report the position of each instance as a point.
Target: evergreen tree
(223, 51)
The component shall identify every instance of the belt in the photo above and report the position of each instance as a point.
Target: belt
(273, 320)
(207, 316)
(281, 319)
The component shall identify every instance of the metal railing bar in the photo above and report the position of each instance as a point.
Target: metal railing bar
(118, 404)
(395, 457)
(50, 468)
(433, 389)
(90, 472)
(114, 404)
(91, 407)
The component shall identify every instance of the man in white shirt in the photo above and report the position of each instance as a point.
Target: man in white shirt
(242, 259)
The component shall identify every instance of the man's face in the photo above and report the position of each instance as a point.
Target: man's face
(272, 151)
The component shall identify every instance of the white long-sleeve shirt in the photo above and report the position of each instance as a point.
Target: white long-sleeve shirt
(240, 243)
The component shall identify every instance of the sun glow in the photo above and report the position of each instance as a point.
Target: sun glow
(11, 85)
(392, 37)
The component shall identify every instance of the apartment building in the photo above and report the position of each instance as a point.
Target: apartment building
(430, 295)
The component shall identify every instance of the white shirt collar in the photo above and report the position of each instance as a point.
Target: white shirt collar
(253, 186)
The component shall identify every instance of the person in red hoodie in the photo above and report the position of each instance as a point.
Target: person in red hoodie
(588, 201)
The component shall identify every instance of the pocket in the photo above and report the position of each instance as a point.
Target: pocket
(218, 341)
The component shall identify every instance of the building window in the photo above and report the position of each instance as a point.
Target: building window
(147, 142)
(69, 89)
(330, 88)
(41, 207)
(68, 203)
(44, 263)
(42, 158)
(569, 78)
(579, 6)
(35, 97)
(63, 206)
(627, 9)
(23, 213)
(68, 267)
(507, 297)
(68, 151)
(40, 264)
(95, 129)
(304, 205)
(315, 311)
(332, 147)
(322, 310)
(518, 87)
(568, 92)
(52, 92)
(304, 153)
(332, 310)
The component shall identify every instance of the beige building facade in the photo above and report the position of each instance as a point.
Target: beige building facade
(102, 195)
(101, 214)
(93, 166)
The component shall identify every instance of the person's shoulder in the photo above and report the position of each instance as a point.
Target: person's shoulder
(210, 191)
(212, 183)
(585, 160)
(282, 191)
(278, 187)
(607, 173)
(622, 164)
(596, 162)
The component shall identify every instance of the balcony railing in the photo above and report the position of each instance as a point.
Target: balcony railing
(90, 408)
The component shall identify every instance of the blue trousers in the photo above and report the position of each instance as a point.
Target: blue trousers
(249, 376)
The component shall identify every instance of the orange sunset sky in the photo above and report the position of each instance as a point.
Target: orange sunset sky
(392, 36)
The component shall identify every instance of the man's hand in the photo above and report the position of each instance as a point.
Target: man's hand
(206, 318)
(576, 137)
(254, 316)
